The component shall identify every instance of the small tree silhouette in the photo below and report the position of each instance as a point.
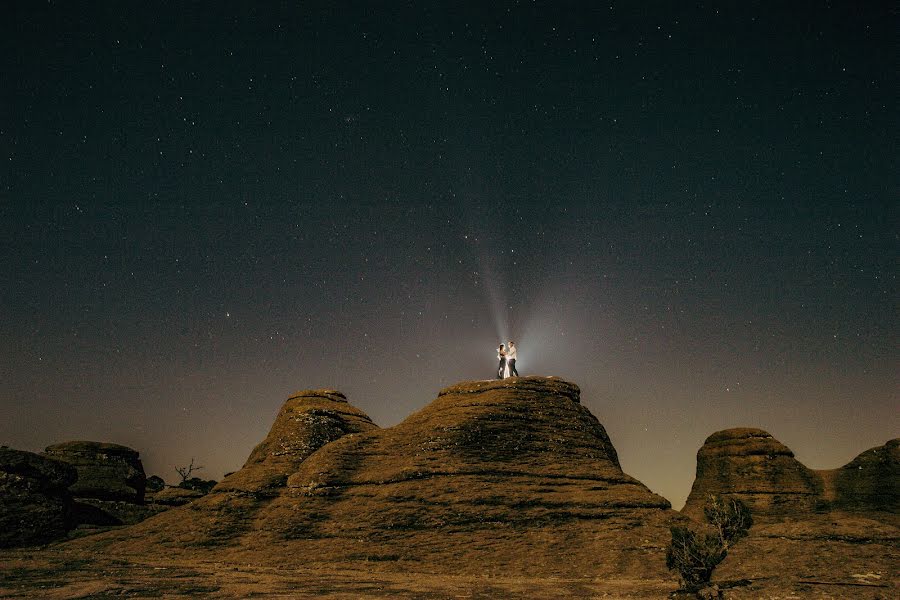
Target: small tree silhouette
(696, 554)
(185, 472)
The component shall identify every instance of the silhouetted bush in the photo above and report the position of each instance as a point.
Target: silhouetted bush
(200, 485)
(696, 554)
(155, 483)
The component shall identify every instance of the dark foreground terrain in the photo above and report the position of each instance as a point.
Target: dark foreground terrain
(779, 569)
(62, 574)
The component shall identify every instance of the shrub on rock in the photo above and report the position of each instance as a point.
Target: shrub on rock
(197, 484)
(695, 554)
(155, 483)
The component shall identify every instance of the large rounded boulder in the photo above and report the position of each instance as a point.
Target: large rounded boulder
(752, 466)
(492, 475)
(105, 471)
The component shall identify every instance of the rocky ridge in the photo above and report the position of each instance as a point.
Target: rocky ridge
(868, 483)
(307, 421)
(753, 466)
(491, 476)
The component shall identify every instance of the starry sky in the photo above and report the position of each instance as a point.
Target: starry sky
(687, 208)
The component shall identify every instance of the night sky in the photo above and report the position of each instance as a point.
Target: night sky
(689, 210)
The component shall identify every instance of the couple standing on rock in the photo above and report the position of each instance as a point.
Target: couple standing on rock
(507, 358)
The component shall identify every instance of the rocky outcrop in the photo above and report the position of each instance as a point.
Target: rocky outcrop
(110, 485)
(35, 505)
(307, 421)
(105, 471)
(502, 473)
(868, 483)
(751, 465)
(91, 511)
(491, 476)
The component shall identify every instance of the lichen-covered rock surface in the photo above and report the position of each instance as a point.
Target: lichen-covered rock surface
(511, 476)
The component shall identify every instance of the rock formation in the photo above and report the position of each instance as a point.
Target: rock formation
(307, 421)
(105, 471)
(756, 468)
(110, 485)
(491, 476)
(868, 483)
(35, 504)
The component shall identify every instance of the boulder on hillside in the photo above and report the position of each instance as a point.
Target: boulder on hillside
(754, 467)
(35, 505)
(105, 471)
(871, 481)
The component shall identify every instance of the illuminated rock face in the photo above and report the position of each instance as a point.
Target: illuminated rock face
(751, 465)
(521, 453)
(511, 476)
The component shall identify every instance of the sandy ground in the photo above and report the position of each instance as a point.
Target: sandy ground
(54, 574)
(59, 573)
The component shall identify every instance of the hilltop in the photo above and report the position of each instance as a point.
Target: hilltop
(492, 476)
